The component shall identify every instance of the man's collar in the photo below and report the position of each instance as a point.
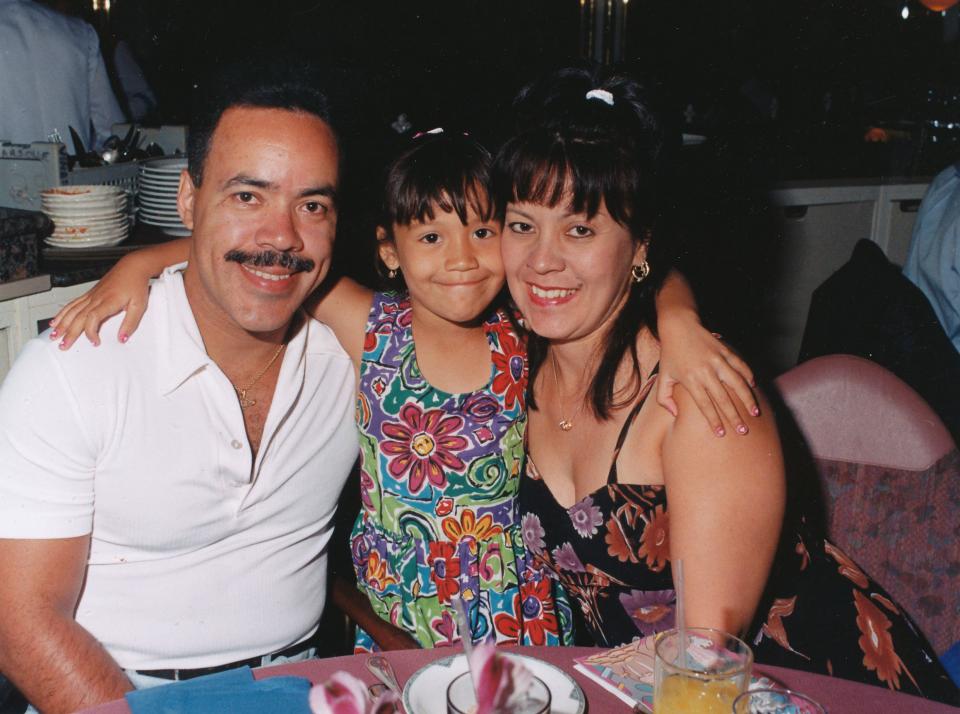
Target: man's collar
(186, 354)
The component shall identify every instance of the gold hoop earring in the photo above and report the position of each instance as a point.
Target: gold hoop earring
(638, 273)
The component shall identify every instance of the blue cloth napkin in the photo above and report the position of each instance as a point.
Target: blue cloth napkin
(232, 692)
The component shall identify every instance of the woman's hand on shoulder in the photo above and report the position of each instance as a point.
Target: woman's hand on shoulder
(718, 381)
(124, 288)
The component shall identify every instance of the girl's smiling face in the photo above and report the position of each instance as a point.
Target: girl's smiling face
(453, 270)
(568, 273)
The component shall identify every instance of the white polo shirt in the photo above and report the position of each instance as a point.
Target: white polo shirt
(199, 557)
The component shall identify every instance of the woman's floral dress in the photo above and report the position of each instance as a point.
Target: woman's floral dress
(822, 613)
(439, 479)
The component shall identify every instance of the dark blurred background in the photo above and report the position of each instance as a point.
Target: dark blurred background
(768, 92)
(802, 80)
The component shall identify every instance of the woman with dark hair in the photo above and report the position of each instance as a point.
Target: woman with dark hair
(617, 489)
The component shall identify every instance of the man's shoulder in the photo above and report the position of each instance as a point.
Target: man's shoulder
(321, 341)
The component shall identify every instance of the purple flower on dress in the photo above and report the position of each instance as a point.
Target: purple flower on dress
(566, 559)
(651, 610)
(533, 533)
(585, 517)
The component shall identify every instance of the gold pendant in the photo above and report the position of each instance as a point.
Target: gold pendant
(565, 425)
(244, 402)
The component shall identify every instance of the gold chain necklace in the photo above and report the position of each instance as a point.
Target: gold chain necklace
(242, 391)
(564, 424)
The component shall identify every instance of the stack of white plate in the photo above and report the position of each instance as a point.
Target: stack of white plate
(86, 216)
(157, 195)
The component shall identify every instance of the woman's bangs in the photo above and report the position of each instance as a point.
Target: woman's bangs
(586, 175)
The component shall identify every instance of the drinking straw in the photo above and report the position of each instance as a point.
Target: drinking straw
(466, 637)
(463, 624)
(681, 624)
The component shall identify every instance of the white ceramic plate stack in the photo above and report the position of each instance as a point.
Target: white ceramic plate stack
(86, 216)
(157, 195)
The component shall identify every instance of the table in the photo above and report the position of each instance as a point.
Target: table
(838, 695)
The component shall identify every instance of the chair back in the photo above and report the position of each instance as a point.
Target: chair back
(891, 478)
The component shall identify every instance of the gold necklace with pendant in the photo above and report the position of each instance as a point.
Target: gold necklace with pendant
(564, 424)
(242, 391)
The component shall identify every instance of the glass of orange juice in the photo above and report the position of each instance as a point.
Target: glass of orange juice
(702, 674)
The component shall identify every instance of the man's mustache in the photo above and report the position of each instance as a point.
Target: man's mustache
(267, 258)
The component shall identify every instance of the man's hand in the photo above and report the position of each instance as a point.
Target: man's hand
(57, 664)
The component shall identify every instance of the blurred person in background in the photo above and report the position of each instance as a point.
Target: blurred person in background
(52, 77)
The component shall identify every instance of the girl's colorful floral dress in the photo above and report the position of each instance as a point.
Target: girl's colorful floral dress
(439, 479)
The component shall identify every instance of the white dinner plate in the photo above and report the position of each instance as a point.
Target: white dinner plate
(175, 163)
(91, 236)
(153, 201)
(162, 188)
(106, 242)
(162, 223)
(81, 192)
(178, 232)
(426, 691)
(166, 212)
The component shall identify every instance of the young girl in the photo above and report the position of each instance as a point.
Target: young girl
(441, 418)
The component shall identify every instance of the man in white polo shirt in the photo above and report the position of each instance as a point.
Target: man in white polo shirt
(165, 505)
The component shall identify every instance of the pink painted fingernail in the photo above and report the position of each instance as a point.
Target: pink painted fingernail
(54, 334)
(720, 431)
(742, 429)
(124, 337)
(63, 343)
(755, 411)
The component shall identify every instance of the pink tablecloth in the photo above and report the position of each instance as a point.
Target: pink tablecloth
(838, 695)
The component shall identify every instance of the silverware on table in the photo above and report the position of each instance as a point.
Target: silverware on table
(381, 668)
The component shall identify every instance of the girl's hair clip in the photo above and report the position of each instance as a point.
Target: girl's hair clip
(602, 95)
(437, 130)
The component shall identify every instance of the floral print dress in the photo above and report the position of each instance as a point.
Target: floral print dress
(821, 613)
(439, 479)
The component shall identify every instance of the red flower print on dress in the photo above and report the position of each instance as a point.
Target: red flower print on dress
(511, 364)
(848, 568)
(655, 541)
(618, 545)
(423, 444)
(534, 606)
(773, 627)
(444, 569)
(876, 642)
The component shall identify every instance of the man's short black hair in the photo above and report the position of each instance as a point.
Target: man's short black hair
(294, 86)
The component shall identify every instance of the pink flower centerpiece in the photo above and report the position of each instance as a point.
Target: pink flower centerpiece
(500, 683)
(345, 694)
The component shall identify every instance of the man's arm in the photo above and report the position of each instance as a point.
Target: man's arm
(57, 664)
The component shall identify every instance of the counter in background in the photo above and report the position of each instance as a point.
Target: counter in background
(26, 306)
(25, 315)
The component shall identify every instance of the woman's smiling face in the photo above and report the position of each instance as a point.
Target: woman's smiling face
(569, 273)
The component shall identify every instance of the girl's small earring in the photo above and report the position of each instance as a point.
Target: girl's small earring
(393, 273)
(639, 272)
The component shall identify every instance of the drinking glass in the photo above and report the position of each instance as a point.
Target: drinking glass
(775, 701)
(701, 675)
(461, 698)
